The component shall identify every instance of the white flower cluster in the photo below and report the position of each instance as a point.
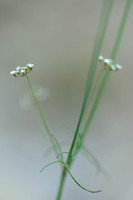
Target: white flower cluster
(109, 64)
(22, 71)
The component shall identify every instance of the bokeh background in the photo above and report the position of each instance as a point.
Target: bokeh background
(58, 37)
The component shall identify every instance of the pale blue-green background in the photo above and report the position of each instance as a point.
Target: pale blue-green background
(58, 36)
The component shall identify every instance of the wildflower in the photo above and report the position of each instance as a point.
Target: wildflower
(101, 58)
(13, 73)
(22, 71)
(30, 66)
(118, 66)
(109, 64)
(108, 61)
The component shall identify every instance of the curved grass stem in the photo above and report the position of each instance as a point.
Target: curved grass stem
(67, 168)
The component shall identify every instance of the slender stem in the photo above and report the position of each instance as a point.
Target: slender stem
(121, 29)
(99, 95)
(84, 132)
(67, 168)
(97, 47)
(62, 181)
(94, 91)
(95, 105)
(106, 9)
(107, 73)
(53, 140)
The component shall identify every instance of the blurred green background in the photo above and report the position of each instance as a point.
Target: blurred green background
(58, 37)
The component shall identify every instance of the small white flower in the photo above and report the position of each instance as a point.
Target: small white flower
(18, 72)
(101, 58)
(22, 71)
(18, 68)
(13, 72)
(118, 66)
(109, 64)
(112, 68)
(30, 65)
(108, 61)
(22, 68)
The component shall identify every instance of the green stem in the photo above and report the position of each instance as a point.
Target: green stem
(53, 140)
(121, 29)
(95, 105)
(82, 136)
(97, 47)
(99, 95)
(94, 91)
(62, 181)
(107, 73)
(106, 9)
(67, 168)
